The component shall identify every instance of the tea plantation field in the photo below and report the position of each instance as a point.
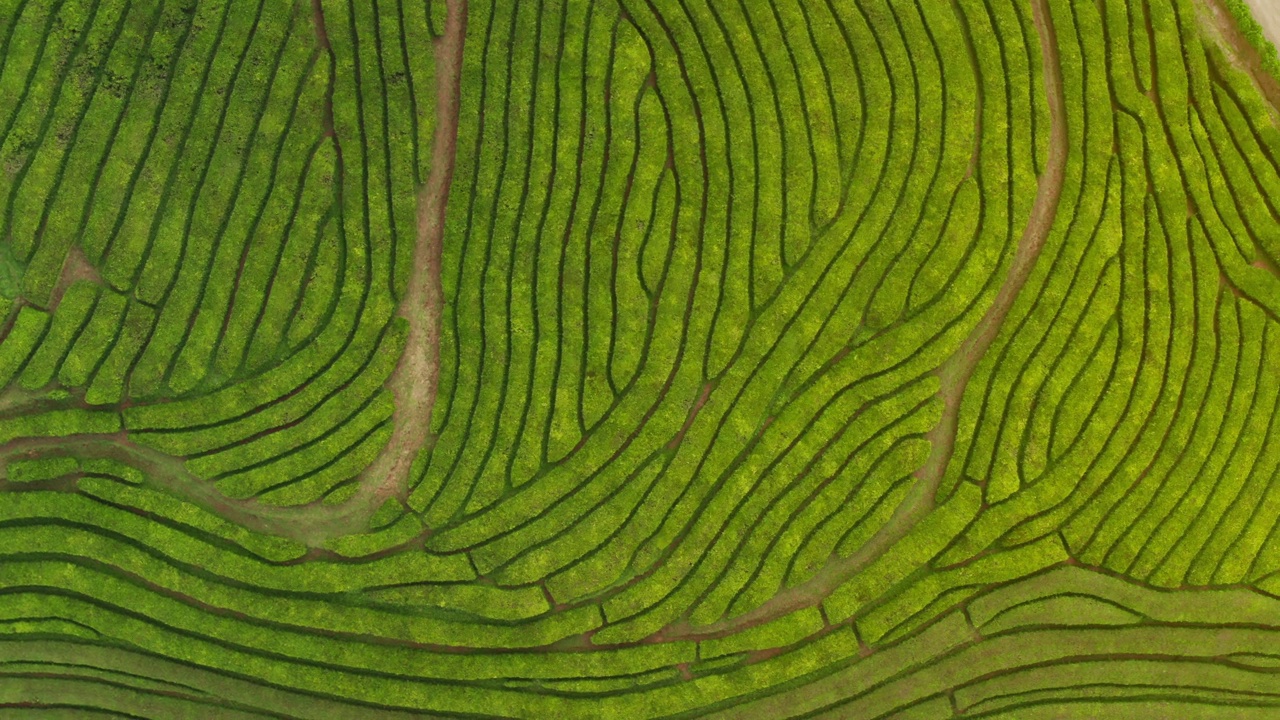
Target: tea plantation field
(559, 359)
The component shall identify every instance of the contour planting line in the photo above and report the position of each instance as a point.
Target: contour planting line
(1221, 26)
(412, 382)
(954, 374)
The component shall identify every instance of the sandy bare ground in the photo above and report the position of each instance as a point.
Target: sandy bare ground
(954, 375)
(1220, 26)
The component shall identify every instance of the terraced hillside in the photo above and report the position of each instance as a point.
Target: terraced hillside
(639, 359)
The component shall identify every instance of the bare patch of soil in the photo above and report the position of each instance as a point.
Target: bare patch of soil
(413, 382)
(74, 269)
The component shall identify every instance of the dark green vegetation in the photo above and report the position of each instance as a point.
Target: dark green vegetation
(638, 359)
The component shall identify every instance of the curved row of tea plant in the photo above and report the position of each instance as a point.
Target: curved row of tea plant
(886, 358)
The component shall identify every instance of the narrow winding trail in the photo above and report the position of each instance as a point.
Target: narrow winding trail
(414, 379)
(1221, 26)
(412, 382)
(954, 374)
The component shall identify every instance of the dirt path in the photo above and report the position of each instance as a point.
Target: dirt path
(1221, 26)
(412, 383)
(954, 373)
(165, 471)
(1267, 13)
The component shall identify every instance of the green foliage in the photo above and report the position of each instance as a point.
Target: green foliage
(1253, 32)
(11, 271)
(724, 359)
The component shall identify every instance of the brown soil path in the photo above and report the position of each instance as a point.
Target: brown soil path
(954, 374)
(1267, 13)
(412, 383)
(167, 472)
(1222, 27)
